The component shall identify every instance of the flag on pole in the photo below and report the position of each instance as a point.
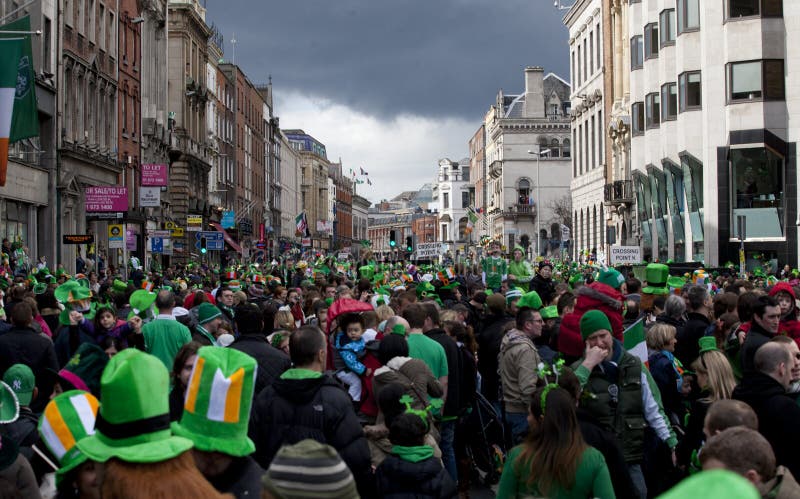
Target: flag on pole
(472, 218)
(10, 52)
(301, 223)
(633, 339)
(25, 121)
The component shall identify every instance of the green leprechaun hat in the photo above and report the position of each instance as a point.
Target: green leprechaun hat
(133, 422)
(531, 299)
(656, 275)
(141, 300)
(67, 419)
(216, 411)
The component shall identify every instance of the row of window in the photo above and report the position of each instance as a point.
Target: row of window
(689, 11)
(586, 58)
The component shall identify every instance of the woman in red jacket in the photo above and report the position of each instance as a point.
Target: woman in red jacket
(785, 296)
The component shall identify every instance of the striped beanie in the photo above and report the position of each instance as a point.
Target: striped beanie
(309, 469)
(69, 417)
(513, 294)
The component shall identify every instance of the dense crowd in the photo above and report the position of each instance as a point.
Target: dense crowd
(321, 378)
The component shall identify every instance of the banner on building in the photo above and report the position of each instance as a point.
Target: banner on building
(194, 223)
(325, 227)
(228, 219)
(116, 237)
(149, 197)
(105, 199)
(154, 175)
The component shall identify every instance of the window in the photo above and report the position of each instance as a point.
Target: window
(637, 52)
(637, 118)
(651, 41)
(446, 200)
(757, 191)
(523, 191)
(652, 110)
(756, 80)
(579, 64)
(688, 15)
(669, 101)
(599, 44)
(690, 91)
(591, 52)
(465, 199)
(668, 28)
(753, 8)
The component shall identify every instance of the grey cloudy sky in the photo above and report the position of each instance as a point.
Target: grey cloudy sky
(391, 86)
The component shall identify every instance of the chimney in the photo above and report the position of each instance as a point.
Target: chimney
(534, 92)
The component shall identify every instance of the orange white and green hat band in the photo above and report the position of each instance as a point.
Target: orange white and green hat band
(68, 418)
(218, 400)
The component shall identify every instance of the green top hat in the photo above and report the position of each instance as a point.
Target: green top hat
(67, 419)
(140, 301)
(367, 271)
(531, 299)
(217, 405)
(20, 378)
(425, 287)
(133, 423)
(9, 405)
(656, 275)
(707, 344)
(72, 291)
(675, 282)
(88, 314)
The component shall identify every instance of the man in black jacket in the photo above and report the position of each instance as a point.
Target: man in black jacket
(764, 326)
(489, 339)
(765, 391)
(306, 403)
(252, 341)
(697, 321)
(542, 282)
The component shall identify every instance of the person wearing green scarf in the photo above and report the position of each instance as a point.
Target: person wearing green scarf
(519, 269)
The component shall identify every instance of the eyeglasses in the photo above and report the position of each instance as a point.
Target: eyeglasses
(537, 320)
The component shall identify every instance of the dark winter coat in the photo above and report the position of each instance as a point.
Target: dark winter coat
(291, 410)
(242, 479)
(399, 479)
(594, 296)
(271, 361)
(489, 340)
(605, 441)
(544, 287)
(778, 416)
(22, 345)
(688, 349)
(23, 431)
(663, 372)
(755, 338)
(456, 400)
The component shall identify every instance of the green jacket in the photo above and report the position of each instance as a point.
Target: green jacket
(591, 479)
(164, 337)
(523, 272)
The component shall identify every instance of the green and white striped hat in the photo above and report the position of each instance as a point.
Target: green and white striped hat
(309, 469)
(68, 418)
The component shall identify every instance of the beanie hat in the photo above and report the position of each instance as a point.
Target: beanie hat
(530, 299)
(713, 483)
(68, 418)
(207, 312)
(84, 369)
(545, 263)
(21, 380)
(611, 277)
(513, 294)
(309, 469)
(593, 321)
(496, 303)
(218, 399)
(133, 422)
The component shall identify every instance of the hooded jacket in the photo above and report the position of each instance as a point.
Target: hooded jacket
(777, 415)
(519, 362)
(593, 296)
(380, 446)
(789, 325)
(413, 374)
(407, 477)
(305, 404)
(781, 486)
(489, 340)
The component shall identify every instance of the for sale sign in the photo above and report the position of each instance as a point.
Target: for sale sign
(111, 198)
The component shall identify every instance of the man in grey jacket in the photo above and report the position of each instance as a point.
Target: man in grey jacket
(519, 360)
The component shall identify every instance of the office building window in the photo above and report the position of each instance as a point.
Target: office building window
(754, 8)
(445, 200)
(668, 28)
(465, 199)
(651, 41)
(688, 15)
(756, 80)
(757, 192)
(652, 104)
(637, 118)
(637, 52)
(669, 101)
(690, 88)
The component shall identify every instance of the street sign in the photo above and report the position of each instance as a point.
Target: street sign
(228, 219)
(160, 233)
(194, 222)
(156, 245)
(428, 250)
(178, 232)
(626, 255)
(214, 240)
(261, 244)
(116, 236)
(77, 239)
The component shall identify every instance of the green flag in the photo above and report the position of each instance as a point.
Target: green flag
(25, 122)
(633, 339)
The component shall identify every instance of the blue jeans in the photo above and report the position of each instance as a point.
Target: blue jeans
(447, 432)
(635, 470)
(518, 422)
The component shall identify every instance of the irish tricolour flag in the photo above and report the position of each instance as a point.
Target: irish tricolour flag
(10, 51)
(633, 339)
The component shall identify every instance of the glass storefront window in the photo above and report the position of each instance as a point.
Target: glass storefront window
(644, 212)
(676, 208)
(757, 191)
(693, 186)
(14, 221)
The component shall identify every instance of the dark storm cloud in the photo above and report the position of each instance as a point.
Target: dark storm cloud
(425, 57)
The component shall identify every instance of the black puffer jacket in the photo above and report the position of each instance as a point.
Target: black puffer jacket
(271, 361)
(489, 340)
(544, 287)
(291, 410)
(242, 479)
(399, 479)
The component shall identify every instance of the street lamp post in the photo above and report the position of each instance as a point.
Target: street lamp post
(538, 155)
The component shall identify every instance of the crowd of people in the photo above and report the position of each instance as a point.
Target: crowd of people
(311, 379)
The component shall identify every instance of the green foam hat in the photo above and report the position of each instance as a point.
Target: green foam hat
(611, 277)
(72, 291)
(141, 300)
(217, 405)
(575, 279)
(367, 272)
(133, 422)
(674, 282)
(119, 286)
(67, 419)
(425, 287)
(88, 314)
(550, 312)
(39, 288)
(707, 344)
(531, 299)
(656, 275)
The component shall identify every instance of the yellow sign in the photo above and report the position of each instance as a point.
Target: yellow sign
(170, 225)
(194, 222)
(177, 232)
(116, 236)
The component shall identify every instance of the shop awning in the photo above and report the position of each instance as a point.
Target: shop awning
(228, 239)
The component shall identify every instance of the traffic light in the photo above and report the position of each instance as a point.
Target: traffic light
(409, 244)
(392, 239)
(203, 245)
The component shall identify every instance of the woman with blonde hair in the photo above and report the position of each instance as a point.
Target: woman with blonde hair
(716, 382)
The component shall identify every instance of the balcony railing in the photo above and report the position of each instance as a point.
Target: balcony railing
(619, 192)
(520, 210)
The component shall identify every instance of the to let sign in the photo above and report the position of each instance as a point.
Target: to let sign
(154, 175)
(103, 199)
(77, 239)
(625, 255)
